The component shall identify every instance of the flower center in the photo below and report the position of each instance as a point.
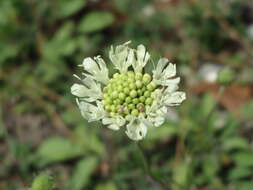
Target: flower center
(128, 93)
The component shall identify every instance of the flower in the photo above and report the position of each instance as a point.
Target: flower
(132, 97)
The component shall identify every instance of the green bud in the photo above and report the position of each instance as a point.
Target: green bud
(139, 92)
(131, 106)
(108, 108)
(148, 101)
(132, 86)
(42, 182)
(136, 100)
(122, 96)
(147, 94)
(226, 76)
(116, 75)
(133, 93)
(151, 86)
(135, 112)
(128, 99)
(112, 114)
(146, 78)
(138, 76)
(113, 108)
(130, 74)
(120, 88)
(126, 90)
(114, 94)
(138, 84)
(142, 99)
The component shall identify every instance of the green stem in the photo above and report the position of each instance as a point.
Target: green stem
(148, 170)
(220, 94)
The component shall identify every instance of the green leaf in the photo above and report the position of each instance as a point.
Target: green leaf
(95, 21)
(245, 186)
(106, 186)
(82, 173)
(57, 149)
(235, 143)
(87, 138)
(67, 8)
(244, 158)
(240, 172)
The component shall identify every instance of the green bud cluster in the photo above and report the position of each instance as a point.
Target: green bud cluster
(128, 93)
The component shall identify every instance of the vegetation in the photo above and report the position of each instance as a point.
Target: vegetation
(206, 143)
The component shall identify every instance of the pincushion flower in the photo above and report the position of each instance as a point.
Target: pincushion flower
(132, 98)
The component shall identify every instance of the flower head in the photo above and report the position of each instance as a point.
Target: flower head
(132, 97)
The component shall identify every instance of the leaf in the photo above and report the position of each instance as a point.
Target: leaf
(244, 158)
(86, 137)
(95, 21)
(245, 186)
(67, 8)
(82, 173)
(240, 172)
(235, 143)
(57, 149)
(106, 186)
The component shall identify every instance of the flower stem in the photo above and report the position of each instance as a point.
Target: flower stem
(147, 169)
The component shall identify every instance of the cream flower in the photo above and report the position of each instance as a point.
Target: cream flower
(131, 98)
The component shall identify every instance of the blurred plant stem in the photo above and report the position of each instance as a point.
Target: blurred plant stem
(219, 95)
(147, 169)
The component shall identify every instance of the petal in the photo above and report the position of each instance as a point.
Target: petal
(96, 68)
(90, 111)
(164, 72)
(122, 57)
(175, 98)
(114, 123)
(136, 130)
(78, 90)
(142, 58)
(90, 90)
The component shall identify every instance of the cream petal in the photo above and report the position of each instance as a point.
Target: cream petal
(90, 111)
(163, 72)
(136, 130)
(142, 58)
(96, 68)
(78, 90)
(175, 98)
(89, 91)
(122, 57)
(114, 123)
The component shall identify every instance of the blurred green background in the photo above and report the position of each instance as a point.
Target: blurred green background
(205, 144)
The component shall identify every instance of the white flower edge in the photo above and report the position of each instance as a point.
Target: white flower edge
(114, 123)
(142, 58)
(136, 129)
(174, 98)
(122, 57)
(91, 112)
(90, 90)
(163, 73)
(96, 68)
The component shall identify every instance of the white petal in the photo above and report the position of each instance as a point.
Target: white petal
(90, 90)
(90, 111)
(136, 130)
(157, 116)
(96, 68)
(175, 98)
(164, 72)
(142, 58)
(122, 57)
(114, 123)
(78, 90)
